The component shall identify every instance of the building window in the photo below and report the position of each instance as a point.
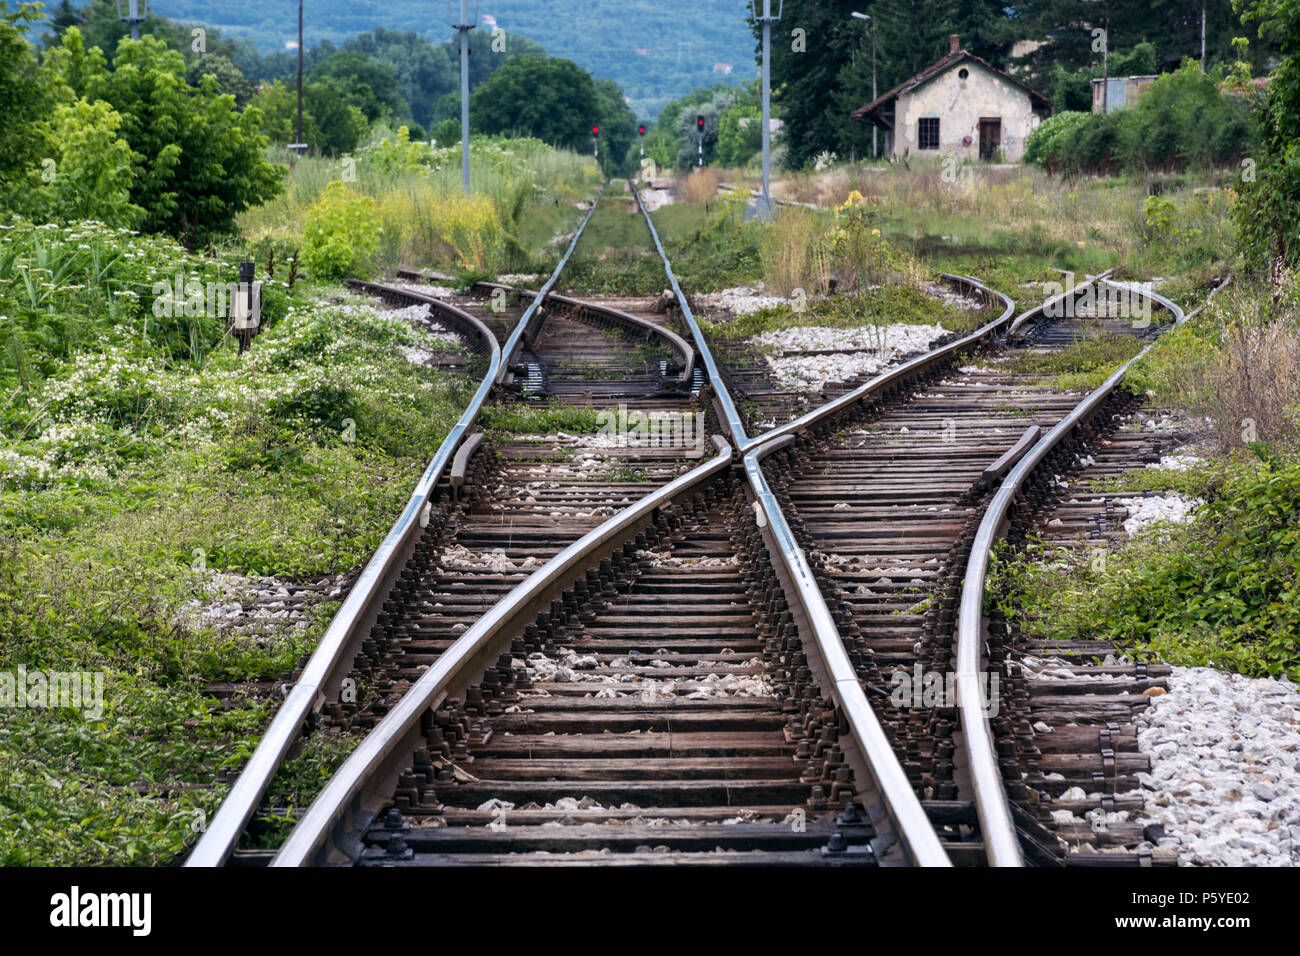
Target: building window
(927, 133)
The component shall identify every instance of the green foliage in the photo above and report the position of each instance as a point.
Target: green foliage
(1270, 195)
(195, 160)
(737, 143)
(89, 175)
(26, 98)
(101, 514)
(549, 99)
(362, 82)
(341, 234)
(1223, 590)
(1184, 121)
(1048, 140)
(229, 79)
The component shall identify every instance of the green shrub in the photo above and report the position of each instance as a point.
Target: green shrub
(342, 233)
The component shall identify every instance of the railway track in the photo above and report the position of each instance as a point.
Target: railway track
(693, 666)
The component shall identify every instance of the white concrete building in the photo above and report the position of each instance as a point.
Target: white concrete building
(960, 106)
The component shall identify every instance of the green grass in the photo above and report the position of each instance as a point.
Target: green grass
(710, 249)
(1080, 366)
(514, 418)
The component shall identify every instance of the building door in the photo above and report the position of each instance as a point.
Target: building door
(990, 137)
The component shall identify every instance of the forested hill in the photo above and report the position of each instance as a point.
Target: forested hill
(656, 50)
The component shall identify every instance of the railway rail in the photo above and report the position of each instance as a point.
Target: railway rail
(689, 667)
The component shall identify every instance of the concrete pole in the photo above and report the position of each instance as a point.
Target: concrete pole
(766, 211)
(464, 28)
(299, 139)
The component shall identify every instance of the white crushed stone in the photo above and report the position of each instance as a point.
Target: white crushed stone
(236, 602)
(859, 351)
(1176, 462)
(654, 199)
(954, 299)
(741, 299)
(1147, 511)
(458, 556)
(1225, 759)
(436, 291)
(518, 279)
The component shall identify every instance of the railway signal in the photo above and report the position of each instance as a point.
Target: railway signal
(641, 132)
(247, 311)
(699, 129)
(595, 141)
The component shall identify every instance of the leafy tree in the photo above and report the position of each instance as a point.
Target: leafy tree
(196, 160)
(737, 142)
(339, 124)
(423, 71)
(550, 99)
(90, 177)
(1268, 210)
(617, 128)
(26, 99)
(363, 82)
(229, 78)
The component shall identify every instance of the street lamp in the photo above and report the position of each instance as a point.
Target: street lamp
(874, 128)
(133, 12)
(464, 26)
(766, 18)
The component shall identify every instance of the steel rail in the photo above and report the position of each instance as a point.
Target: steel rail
(674, 341)
(904, 833)
(991, 803)
(730, 416)
(902, 373)
(512, 343)
(322, 676)
(329, 830)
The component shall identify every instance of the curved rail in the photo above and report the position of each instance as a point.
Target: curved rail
(322, 677)
(328, 831)
(730, 416)
(908, 370)
(904, 833)
(991, 804)
(647, 329)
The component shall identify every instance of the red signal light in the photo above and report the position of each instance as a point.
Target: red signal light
(699, 123)
(595, 131)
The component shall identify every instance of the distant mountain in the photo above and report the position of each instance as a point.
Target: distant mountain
(655, 49)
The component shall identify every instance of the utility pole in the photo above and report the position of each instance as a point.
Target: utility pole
(1202, 36)
(875, 130)
(464, 26)
(133, 13)
(766, 18)
(299, 140)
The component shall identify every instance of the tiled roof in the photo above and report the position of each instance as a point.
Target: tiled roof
(930, 72)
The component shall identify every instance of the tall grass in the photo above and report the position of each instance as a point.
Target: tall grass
(700, 187)
(426, 218)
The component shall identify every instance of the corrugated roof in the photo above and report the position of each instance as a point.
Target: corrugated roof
(930, 72)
